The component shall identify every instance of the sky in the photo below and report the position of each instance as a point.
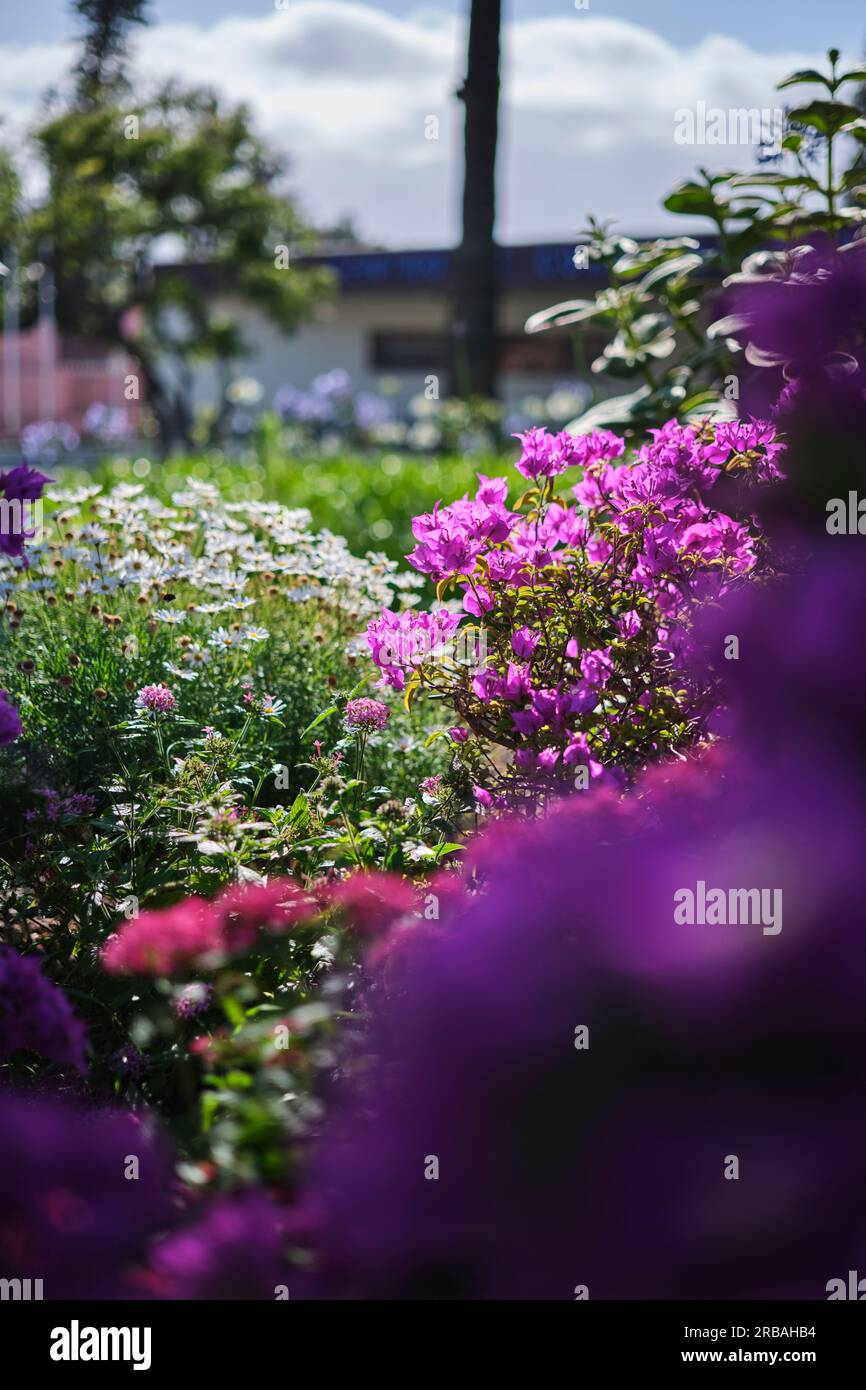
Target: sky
(352, 91)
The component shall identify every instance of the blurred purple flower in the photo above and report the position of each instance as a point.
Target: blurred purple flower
(371, 410)
(35, 1014)
(75, 1210)
(233, 1250)
(335, 384)
(10, 720)
(803, 331)
(193, 999)
(513, 1161)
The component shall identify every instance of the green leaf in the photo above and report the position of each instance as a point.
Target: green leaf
(560, 315)
(707, 404)
(695, 199)
(803, 75)
(676, 266)
(232, 1010)
(653, 254)
(239, 1080)
(326, 713)
(210, 1105)
(828, 117)
(617, 410)
(857, 129)
(775, 181)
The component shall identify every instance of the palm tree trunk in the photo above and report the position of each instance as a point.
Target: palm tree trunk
(474, 279)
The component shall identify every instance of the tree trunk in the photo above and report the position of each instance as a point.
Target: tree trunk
(474, 282)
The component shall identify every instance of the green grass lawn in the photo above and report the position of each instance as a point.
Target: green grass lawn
(369, 499)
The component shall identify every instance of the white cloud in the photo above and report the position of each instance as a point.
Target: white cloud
(587, 122)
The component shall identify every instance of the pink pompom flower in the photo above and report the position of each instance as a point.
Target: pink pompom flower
(156, 699)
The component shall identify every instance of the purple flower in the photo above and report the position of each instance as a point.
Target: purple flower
(335, 384)
(524, 641)
(19, 488)
(371, 410)
(451, 538)
(233, 1250)
(10, 721)
(582, 1030)
(24, 483)
(597, 666)
(35, 1014)
(401, 641)
(128, 1062)
(643, 538)
(193, 999)
(544, 455)
(629, 624)
(80, 1194)
(818, 309)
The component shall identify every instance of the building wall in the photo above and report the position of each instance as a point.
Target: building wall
(342, 335)
(50, 386)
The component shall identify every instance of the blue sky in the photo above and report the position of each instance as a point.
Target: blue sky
(348, 89)
(769, 25)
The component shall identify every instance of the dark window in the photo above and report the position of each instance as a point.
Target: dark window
(544, 353)
(408, 351)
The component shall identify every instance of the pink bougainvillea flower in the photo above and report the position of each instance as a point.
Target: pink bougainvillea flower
(524, 641)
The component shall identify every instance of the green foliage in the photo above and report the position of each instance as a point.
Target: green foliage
(252, 623)
(369, 499)
(659, 299)
(241, 771)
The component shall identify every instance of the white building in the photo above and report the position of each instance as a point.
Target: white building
(390, 316)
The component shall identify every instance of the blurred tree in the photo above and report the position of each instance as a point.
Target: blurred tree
(151, 205)
(474, 295)
(102, 62)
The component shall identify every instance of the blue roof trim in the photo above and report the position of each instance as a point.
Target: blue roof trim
(546, 263)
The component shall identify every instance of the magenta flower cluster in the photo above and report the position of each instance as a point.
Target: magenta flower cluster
(586, 605)
(156, 699)
(367, 716)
